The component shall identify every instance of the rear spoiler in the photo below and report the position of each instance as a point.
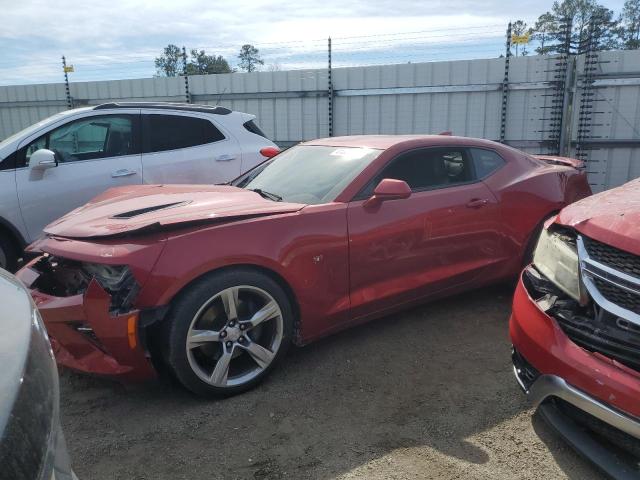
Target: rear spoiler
(564, 161)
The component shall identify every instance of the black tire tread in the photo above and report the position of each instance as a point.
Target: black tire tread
(7, 245)
(186, 305)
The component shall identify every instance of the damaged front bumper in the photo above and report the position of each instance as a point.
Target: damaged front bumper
(590, 399)
(87, 335)
(552, 386)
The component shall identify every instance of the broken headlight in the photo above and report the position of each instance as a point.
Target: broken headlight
(556, 257)
(108, 276)
(117, 280)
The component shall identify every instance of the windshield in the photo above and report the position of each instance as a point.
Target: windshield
(308, 174)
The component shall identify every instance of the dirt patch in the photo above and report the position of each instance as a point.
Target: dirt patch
(425, 394)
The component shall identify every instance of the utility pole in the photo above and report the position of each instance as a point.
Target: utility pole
(66, 71)
(330, 89)
(186, 77)
(505, 87)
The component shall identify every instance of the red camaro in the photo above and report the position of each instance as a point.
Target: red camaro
(212, 283)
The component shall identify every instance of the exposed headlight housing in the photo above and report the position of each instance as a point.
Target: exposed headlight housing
(117, 280)
(110, 277)
(556, 257)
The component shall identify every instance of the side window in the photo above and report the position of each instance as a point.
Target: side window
(8, 163)
(428, 168)
(171, 132)
(87, 139)
(253, 127)
(486, 161)
(33, 146)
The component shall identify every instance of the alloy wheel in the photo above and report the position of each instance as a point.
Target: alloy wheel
(234, 336)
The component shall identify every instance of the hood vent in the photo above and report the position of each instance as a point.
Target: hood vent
(142, 211)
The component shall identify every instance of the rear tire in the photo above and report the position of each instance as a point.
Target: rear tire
(8, 254)
(227, 331)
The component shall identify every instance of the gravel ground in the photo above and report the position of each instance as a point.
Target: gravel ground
(425, 394)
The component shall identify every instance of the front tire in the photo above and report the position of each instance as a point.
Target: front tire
(8, 254)
(227, 331)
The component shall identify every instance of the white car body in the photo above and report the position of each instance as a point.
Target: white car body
(112, 145)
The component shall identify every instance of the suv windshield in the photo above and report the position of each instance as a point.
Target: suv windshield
(308, 174)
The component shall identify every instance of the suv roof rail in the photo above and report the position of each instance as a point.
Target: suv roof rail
(166, 106)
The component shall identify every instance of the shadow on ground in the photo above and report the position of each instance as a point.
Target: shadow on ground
(424, 394)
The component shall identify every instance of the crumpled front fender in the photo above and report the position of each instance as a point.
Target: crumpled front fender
(86, 337)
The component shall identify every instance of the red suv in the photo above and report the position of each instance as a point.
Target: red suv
(575, 328)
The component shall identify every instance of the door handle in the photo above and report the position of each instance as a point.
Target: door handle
(225, 157)
(477, 202)
(122, 173)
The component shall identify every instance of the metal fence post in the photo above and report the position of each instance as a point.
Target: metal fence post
(330, 90)
(505, 87)
(565, 120)
(184, 74)
(559, 111)
(588, 48)
(66, 83)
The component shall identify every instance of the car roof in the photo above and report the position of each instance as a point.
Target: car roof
(384, 142)
(189, 107)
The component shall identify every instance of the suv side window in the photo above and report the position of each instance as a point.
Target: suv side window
(427, 169)
(172, 132)
(88, 138)
(9, 163)
(486, 161)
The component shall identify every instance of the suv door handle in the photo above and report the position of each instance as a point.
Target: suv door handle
(477, 202)
(122, 173)
(225, 157)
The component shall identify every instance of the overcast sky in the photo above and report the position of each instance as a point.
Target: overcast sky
(120, 38)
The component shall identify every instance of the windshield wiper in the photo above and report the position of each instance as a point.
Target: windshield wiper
(265, 194)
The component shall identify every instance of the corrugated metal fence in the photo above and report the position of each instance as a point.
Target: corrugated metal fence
(464, 97)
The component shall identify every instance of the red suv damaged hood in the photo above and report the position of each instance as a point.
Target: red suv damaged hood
(131, 209)
(611, 217)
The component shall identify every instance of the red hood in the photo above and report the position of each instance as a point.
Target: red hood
(611, 217)
(129, 209)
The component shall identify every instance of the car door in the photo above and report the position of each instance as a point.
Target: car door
(185, 147)
(93, 153)
(11, 223)
(442, 237)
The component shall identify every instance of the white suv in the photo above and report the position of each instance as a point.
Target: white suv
(60, 163)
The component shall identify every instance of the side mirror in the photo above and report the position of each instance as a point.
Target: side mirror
(42, 159)
(389, 189)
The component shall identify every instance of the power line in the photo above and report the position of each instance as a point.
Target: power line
(424, 45)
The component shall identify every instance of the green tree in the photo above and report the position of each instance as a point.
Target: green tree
(629, 25)
(543, 32)
(249, 58)
(583, 15)
(169, 64)
(520, 28)
(203, 64)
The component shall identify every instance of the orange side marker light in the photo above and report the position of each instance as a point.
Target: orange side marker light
(132, 334)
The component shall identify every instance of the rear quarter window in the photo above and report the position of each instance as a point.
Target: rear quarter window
(173, 132)
(253, 127)
(486, 161)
